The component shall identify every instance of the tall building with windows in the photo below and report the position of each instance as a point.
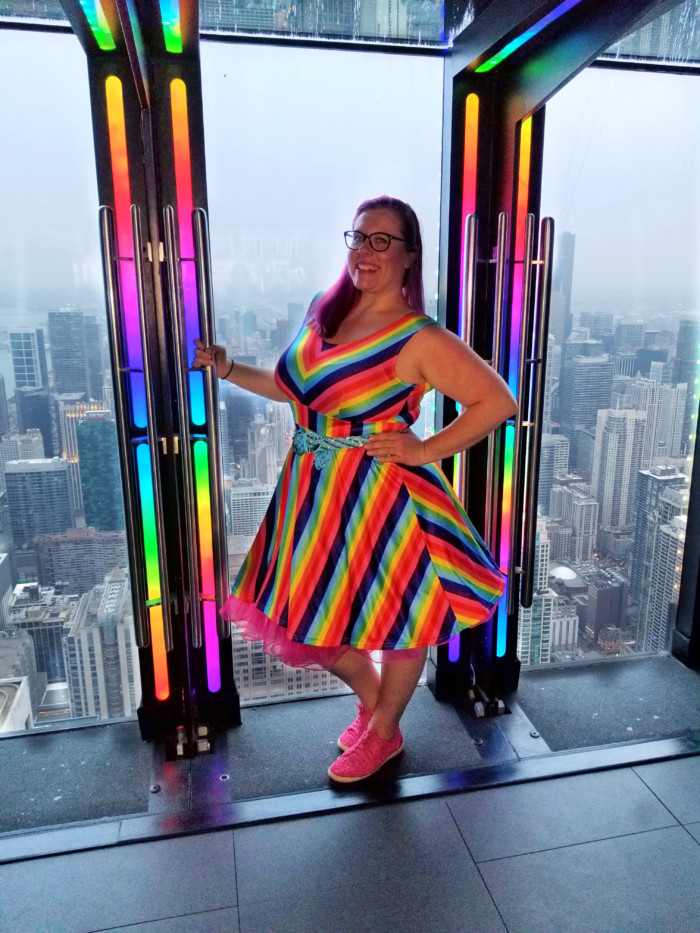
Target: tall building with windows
(43, 613)
(34, 411)
(101, 655)
(96, 436)
(29, 446)
(79, 557)
(685, 369)
(259, 676)
(38, 495)
(579, 509)
(247, 503)
(535, 628)
(563, 275)
(18, 663)
(554, 461)
(650, 512)
(656, 612)
(76, 355)
(585, 388)
(29, 358)
(665, 408)
(4, 410)
(617, 458)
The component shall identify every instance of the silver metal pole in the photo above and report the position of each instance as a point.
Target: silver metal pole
(200, 227)
(466, 325)
(132, 510)
(499, 309)
(521, 424)
(181, 368)
(151, 430)
(544, 294)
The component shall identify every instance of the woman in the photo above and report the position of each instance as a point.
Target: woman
(364, 546)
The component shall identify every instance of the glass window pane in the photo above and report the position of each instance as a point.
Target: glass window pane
(67, 646)
(673, 38)
(288, 161)
(621, 178)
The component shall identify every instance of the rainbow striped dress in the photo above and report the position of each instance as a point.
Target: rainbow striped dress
(352, 552)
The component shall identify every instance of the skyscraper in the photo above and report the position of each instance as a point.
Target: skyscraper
(554, 461)
(577, 507)
(100, 479)
(4, 411)
(38, 497)
(665, 407)
(585, 388)
(101, 652)
(34, 411)
(76, 356)
(79, 557)
(685, 369)
(43, 612)
(563, 275)
(619, 446)
(664, 586)
(535, 623)
(29, 358)
(29, 446)
(650, 513)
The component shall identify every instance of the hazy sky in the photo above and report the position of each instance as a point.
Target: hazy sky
(295, 138)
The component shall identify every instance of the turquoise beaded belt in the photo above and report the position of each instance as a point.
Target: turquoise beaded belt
(322, 447)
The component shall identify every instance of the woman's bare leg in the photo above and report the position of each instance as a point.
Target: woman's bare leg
(359, 673)
(398, 682)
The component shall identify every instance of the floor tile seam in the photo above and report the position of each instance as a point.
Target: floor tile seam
(137, 923)
(493, 898)
(652, 791)
(585, 842)
(235, 878)
(686, 828)
(476, 865)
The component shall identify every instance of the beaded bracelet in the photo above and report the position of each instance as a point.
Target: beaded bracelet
(230, 370)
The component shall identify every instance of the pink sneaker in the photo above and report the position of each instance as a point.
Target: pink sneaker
(355, 729)
(365, 757)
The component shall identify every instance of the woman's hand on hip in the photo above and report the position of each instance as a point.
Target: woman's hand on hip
(397, 447)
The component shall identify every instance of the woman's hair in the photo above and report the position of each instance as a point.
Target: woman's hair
(333, 305)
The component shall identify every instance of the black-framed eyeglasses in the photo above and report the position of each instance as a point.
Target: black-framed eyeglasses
(380, 242)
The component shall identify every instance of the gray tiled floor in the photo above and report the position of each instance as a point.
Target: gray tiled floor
(612, 851)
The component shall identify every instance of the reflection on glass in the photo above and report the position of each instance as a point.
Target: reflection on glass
(622, 389)
(67, 647)
(412, 21)
(673, 38)
(283, 185)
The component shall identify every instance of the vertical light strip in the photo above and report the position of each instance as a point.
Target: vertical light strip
(172, 31)
(469, 171)
(97, 21)
(125, 245)
(134, 360)
(206, 564)
(150, 550)
(183, 187)
(516, 323)
(527, 35)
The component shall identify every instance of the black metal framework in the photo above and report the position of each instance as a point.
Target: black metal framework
(508, 95)
(513, 92)
(149, 147)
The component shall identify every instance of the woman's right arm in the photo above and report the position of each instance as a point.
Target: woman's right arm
(253, 378)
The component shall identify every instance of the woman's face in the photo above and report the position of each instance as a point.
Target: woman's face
(379, 272)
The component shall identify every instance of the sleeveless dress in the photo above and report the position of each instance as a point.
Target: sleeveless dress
(380, 557)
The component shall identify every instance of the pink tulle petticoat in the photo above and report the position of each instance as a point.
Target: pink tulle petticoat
(256, 626)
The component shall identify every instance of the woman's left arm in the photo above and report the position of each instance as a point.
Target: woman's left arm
(446, 363)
